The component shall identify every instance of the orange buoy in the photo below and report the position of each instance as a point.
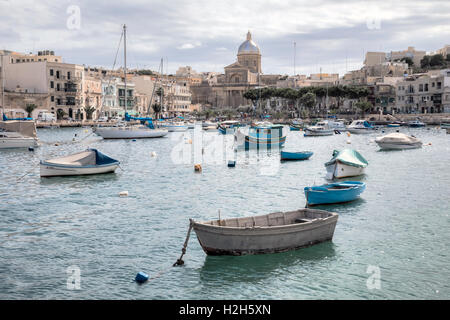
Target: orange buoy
(198, 167)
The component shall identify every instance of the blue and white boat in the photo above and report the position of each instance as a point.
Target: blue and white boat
(229, 126)
(302, 155)
(360, 127)
(87, 162)
(416, 124)
(334, 192)
(261, 135)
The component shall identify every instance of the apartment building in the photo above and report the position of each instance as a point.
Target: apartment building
(424, 93)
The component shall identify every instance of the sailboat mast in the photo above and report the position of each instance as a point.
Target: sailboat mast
(3, 84)
(125, 62)
(162, 85)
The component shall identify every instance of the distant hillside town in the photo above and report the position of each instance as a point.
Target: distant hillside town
(397, 82)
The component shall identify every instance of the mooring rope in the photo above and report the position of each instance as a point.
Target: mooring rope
(180, 261)
(28, 172)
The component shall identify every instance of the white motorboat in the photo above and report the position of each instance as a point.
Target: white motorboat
(209, 126)
(398, 141)
(360, 127)
(129, 132)
(87, 162)
(416, 124)
(322, 128)
(18, 134)
(175, 126)
(336, 125)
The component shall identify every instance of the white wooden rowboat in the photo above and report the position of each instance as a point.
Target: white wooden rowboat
(87, 162)
(269, 233)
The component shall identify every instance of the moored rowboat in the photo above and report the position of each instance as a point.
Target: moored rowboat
(303, 155)
(269, 233)
(334, 192)
(87, 162)
(345, 163)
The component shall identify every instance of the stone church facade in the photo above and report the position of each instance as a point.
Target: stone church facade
(240, 76)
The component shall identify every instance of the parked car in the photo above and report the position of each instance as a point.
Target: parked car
(46, 116)
(102, 119)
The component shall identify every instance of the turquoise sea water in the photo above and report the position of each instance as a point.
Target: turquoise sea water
(399, 227)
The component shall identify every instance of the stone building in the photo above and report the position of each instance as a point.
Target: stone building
(227, 89)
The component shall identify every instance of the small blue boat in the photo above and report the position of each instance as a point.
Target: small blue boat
(302, 155)
(294, 128)
(334, 192)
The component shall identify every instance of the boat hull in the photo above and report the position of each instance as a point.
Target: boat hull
(10, 143)
(51, 170)
(398, 146)
(260, 143)
(359, 130)
(292, 156)
(318, 133)
(341, 170)
(219, 240)
(322, 195)
(129, 133)
(176, 128)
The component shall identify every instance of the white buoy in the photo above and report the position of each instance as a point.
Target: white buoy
(123, 193)
(153, 154)
(348, 141)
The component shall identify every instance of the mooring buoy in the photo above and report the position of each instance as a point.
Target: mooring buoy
(141, 277)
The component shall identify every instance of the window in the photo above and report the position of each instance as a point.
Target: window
(420, 87)
(426, 86)
(57, 74)
(52, 98)
(68, 75)
(51, 73)
(52, 84)
(438, 85)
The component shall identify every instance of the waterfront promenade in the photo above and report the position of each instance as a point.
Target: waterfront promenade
(427, 118)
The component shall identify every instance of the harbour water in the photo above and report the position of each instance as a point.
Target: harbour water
(390, 244)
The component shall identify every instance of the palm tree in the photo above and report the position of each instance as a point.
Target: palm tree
(60, 113)
(29, 108)
(363, 106)
(308, 100)
(157, 109)
(89, 111)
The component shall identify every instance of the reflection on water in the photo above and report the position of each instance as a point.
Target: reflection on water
(249, 268)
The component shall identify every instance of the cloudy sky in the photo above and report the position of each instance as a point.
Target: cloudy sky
(205, 34)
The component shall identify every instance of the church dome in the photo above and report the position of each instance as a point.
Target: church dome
(248, 46)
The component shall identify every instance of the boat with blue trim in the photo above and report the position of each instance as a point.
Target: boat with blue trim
(229, 126)
(261, 135)
(334, 192)
(302, 155)
(87, 162)
(416, 124)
